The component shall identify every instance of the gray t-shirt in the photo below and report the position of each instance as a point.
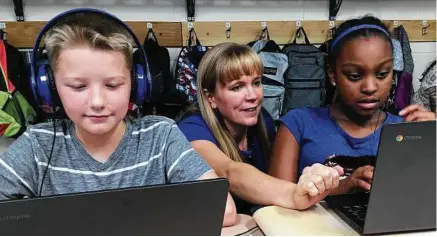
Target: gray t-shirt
(152, 151)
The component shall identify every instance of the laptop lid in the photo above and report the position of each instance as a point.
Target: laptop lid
(403, 193)
(192, 208)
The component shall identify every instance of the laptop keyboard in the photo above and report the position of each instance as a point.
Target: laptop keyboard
(357, 213)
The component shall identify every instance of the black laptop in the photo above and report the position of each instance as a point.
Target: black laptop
(192, 208)
(403, 193)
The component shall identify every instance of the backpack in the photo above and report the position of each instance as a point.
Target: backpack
(305, 77)
(165, 99)
(186, 67)
(329, 88)
(275, 64)
(426, 94)
(15, 112)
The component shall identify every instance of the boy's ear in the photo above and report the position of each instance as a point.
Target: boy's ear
(211, 98)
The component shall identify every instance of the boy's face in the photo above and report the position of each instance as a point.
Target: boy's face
(94, 87)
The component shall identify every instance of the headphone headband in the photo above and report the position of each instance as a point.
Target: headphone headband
(144, 95)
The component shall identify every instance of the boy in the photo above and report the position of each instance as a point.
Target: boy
(98, 147)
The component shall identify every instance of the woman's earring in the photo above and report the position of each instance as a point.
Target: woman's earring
(333, 83)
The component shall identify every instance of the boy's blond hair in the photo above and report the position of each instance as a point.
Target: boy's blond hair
(90, 30)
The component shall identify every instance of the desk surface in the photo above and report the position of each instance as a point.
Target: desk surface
(318, 220)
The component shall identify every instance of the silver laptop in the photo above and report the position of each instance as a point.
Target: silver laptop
(192, 208)
(403, 193)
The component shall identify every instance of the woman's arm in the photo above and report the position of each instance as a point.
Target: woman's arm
(285, 156)
(246, 181)
(256, 187)
(230, 216)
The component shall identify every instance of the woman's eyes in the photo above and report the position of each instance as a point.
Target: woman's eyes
(238, 87)
(235, 88)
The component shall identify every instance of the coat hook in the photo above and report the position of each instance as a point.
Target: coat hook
(331, 29)
(264, 33)
(425, 25)
(263, 25)
(298, 26)
(2, 32)
(228, 30)
(190, 25)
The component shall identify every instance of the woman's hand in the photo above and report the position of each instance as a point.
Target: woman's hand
(314, 184)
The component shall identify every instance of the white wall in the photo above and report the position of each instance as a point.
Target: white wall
(242, 10)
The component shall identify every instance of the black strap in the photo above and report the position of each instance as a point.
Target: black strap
(2, 35)
(334, 7)
(265, 34)
(304, 34)
(192, 33)
(150, 36)
(18, 8)
(190, 9)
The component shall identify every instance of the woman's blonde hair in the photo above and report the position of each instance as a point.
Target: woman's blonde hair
(223, 63)
(91, 30)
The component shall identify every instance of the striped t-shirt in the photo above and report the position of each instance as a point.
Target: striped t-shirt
(152, 151)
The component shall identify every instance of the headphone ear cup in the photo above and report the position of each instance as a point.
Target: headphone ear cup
(52, 88)
(134, 86)
(42, 89)
(141, 85)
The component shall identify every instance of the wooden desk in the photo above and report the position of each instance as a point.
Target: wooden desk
(319, 220)
(245, 226)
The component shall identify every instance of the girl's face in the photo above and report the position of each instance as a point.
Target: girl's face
(239, 101)
(363, 74)
(94, 87)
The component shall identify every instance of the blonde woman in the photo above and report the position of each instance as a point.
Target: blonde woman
(231, 131)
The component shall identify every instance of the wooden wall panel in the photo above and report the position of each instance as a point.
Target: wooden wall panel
(211, 33)
(23, 34)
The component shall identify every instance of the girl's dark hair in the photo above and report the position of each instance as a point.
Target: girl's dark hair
(340, 39)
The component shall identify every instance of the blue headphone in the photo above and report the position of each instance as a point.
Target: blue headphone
(42, 78)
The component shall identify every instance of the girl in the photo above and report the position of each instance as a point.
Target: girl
(361, 69)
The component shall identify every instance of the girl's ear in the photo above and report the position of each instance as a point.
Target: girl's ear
(331, 75)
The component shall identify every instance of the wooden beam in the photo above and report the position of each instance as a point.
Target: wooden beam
(243, 32)
(168, 33)
(23, 34)
(414, 30)
(174, 34)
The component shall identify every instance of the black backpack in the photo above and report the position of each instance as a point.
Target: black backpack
(329, 88)
(305, 77)
(165, 99)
